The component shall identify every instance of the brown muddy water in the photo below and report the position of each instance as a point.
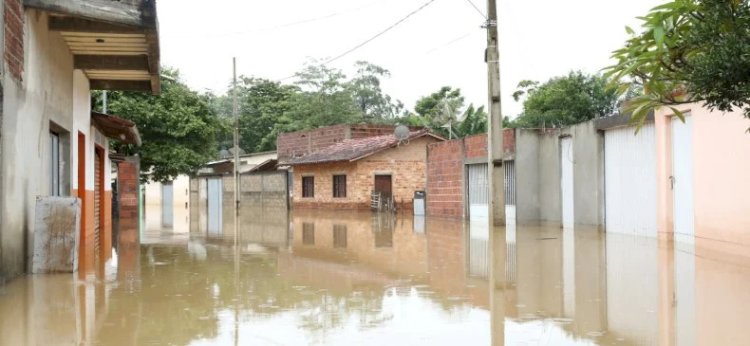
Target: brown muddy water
(357, 278)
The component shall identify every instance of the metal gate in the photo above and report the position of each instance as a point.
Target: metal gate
(630, 180)
(215, 198)
(682, 178)
(510, 183)
(478, 187)
(167, 205)
(566, 181)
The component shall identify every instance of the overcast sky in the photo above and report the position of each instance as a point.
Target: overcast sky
(442, 44)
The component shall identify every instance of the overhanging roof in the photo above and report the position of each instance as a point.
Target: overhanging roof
(115, 43)
(116, 128)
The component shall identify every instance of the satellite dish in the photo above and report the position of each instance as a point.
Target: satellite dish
(401, 132)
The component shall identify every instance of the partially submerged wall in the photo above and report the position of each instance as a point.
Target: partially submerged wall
(538, 175)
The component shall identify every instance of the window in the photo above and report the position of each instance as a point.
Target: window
(308, 187)
(308, 233)
(54, 164)
(339, 186)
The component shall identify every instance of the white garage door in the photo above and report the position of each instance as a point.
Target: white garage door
(630, 180)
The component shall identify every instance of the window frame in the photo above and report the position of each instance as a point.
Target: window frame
(308, 189)
(339, 189)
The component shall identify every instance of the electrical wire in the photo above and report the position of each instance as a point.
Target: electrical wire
(378, 34)
(476, 8)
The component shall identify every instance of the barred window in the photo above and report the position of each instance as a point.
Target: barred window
(308, 187)
(339, 186)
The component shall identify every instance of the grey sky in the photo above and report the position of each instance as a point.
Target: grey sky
(441, 45)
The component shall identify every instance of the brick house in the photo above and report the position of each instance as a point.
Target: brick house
(344, 175)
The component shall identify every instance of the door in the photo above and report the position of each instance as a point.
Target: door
(479, 229)
(682, 178)
(630, 180)
(167, 205)
(566, 181)
(383, 185)
(215, 197)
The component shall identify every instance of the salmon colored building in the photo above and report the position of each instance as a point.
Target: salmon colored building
(702, 185)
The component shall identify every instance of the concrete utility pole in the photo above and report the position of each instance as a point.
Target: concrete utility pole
(495, 125)
(496, 177)
(236, 115)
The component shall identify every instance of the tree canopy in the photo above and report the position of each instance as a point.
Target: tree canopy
(688, 51)
(565, 100)
(178, 128)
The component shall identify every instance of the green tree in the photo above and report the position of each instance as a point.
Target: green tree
(369, 97)
(261, 105)
(438, 110)
(565, 100)
(178, 128)
(474, 122)
(689, 51)
(325, 98)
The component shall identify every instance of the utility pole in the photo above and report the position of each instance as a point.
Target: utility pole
(497, 236)
(104, 101)
(236, 115)
(495, 121)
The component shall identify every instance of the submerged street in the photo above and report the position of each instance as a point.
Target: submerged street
(366, 278)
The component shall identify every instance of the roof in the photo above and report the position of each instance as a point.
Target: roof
(115, 43)
(117, 128)
(356, 149)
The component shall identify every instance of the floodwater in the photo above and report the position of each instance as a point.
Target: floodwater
(358, 278)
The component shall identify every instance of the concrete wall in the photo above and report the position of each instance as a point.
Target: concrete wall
(538, 175)
(49, 90)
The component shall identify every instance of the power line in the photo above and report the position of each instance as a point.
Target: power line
(378, 34)
(476, 8)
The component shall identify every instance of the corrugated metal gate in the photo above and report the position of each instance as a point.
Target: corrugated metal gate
(630, 180)
(566, 183)
(478, 187)
(510, 183)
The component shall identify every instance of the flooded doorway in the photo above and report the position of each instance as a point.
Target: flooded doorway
(383, 185)
(215, 198)
(566, 184)
(682, 177)
(167, 205)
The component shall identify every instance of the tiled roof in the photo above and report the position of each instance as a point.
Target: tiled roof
(355, 149)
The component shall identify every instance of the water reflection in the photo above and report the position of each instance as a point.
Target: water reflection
(326, 277)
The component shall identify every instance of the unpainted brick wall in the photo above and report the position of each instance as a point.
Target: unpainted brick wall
(300, 143)
(445, 179)
(14, 50)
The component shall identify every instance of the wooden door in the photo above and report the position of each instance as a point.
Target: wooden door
(383, 185)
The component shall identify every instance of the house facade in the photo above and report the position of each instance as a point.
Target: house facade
(344, 175)
(54, 54)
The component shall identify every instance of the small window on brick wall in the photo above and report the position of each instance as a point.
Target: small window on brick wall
(308, 187)
(339, 186)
